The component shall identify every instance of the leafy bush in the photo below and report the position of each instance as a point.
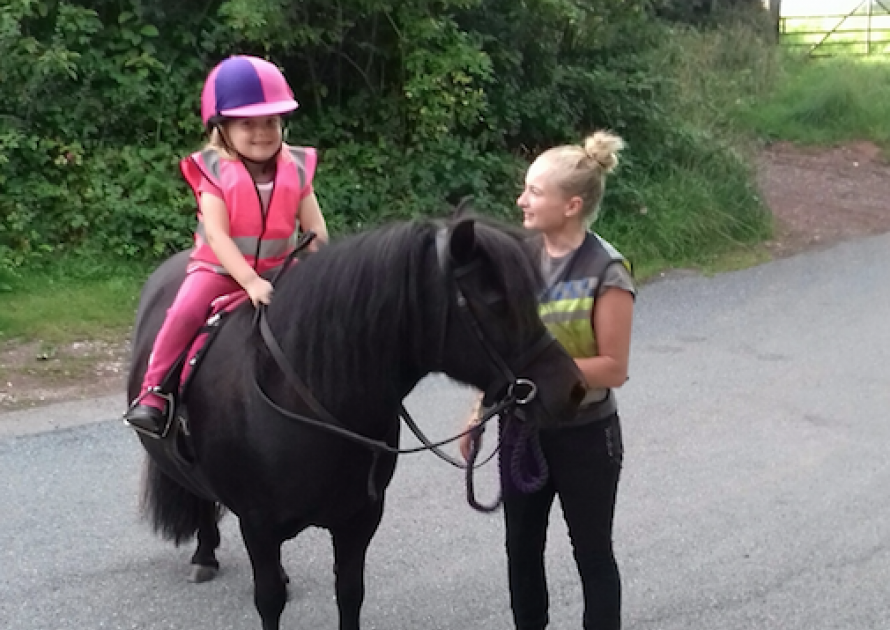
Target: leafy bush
(408, 102)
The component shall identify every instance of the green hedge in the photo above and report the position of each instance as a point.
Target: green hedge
(408, 102)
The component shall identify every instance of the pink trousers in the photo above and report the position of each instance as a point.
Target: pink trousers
(184, 318)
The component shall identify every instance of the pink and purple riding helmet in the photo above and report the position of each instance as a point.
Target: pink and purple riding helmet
(245, 87)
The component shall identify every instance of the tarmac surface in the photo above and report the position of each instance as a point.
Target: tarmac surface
(754, 493)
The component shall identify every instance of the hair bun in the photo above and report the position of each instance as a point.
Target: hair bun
(603, 147)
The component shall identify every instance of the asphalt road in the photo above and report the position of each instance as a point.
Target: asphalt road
(754, 495)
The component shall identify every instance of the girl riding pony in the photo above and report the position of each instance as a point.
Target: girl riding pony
(254, 194)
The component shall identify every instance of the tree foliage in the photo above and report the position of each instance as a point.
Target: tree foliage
(408, 101)
(697, 11)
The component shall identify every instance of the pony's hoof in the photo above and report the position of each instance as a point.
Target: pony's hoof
(201, 573)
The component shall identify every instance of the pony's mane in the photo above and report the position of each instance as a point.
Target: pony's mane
(348, 316)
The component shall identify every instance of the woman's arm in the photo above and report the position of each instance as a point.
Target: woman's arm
(312, 219)
(216, 229)
(612, 322)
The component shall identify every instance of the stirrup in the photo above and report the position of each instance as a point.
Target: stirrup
(167, 413)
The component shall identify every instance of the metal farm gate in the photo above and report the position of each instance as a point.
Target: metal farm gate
(864, 30)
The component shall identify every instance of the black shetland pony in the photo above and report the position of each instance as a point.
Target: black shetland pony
(360, 322)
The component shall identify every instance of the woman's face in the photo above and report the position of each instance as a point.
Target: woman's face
(545, 207)
(257, 139)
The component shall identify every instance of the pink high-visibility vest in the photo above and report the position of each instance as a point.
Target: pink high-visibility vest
(264, 239)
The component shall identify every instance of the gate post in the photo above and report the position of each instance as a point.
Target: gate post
(868, 34)
(775, 12)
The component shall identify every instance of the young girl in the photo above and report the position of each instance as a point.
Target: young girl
(254, 193)
(588, 305)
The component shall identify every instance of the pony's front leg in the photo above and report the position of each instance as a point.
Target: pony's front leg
(269, 579)
(351, 540)
(205, 566)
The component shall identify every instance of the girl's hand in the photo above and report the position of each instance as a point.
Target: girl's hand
(260, 291)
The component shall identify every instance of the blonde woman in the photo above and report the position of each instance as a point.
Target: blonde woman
(588, 305)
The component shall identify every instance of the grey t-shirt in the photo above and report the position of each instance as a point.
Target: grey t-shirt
(616, 275)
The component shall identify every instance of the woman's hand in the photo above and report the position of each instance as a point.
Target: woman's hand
(466, 441)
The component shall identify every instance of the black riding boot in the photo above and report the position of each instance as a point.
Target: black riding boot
(146, 418)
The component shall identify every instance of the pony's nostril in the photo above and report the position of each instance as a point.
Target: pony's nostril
(578, 393)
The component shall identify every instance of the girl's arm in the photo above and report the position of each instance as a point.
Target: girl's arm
(216, 228)
(612, 321)
(312, 219)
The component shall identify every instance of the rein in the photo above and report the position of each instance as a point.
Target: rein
(327, 422)
(519, 392)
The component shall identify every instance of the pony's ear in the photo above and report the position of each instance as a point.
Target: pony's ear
(460, 199)
(463, 241)
(464, 206)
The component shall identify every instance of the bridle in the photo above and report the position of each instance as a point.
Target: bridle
(517, 391)
(522, 389)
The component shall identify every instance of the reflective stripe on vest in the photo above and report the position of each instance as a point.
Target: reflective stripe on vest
(569, 321)
(566, 308)
(247, 245)
(264, 239)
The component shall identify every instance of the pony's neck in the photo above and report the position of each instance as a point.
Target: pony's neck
(361, 320)
(420, 317)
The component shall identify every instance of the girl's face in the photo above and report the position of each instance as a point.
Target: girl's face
(257, 139)
(545, 207)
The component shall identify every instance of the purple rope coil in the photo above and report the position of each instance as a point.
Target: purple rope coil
(521, 462)
(528, 471)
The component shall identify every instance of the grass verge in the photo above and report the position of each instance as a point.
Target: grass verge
(69, 300)
(824, 101)
(699, 205)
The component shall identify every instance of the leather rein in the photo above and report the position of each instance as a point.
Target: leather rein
(518, 392)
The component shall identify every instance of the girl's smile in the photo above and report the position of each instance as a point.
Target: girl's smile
(257, 139)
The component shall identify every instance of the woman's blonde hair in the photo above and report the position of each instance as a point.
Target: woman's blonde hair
(580, 171)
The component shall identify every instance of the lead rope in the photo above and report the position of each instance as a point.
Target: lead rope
(527, 441)
(475, 448)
